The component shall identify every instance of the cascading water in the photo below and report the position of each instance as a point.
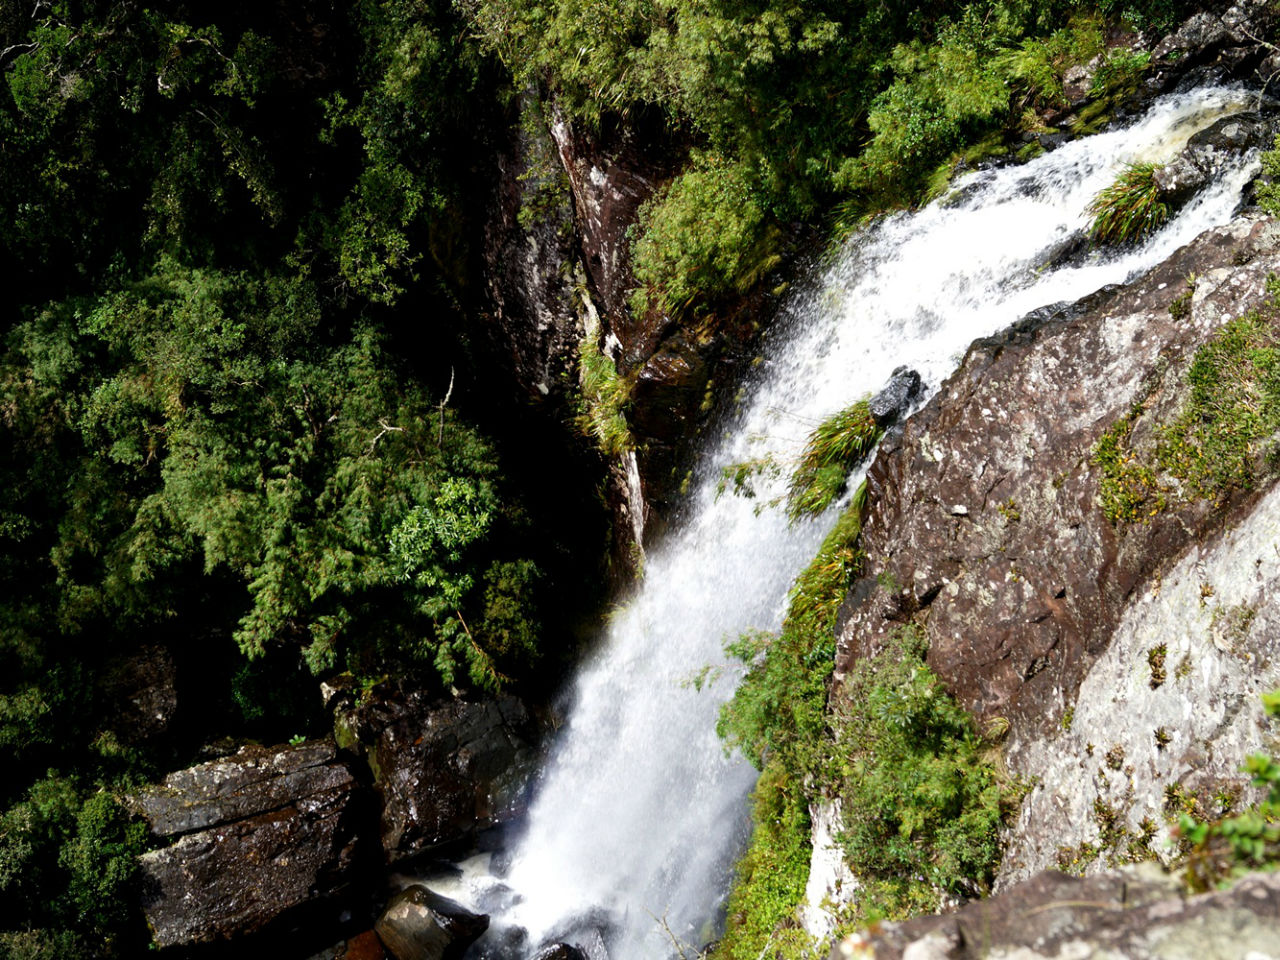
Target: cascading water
(640, 813)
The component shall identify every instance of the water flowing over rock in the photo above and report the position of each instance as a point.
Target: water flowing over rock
(421, 925)
(444, 769)
(1133, 914)
(263, 832)
(640, 812)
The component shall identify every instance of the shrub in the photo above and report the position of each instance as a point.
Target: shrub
(1129, 209)
(702, 239)
(605, 396)
(921, 797)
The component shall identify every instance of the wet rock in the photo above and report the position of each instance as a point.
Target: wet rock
(144, 694)
(533, 323)
(1204, 157)
(1008, 439)
(1213, 46)
(422, 925)
(892, 403)
(253, 780)
(560, 951)
(443, 769)
(268, 831)
(1132, 913)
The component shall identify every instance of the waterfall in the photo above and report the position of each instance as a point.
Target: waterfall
(639, 813)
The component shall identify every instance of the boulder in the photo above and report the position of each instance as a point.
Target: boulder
(419, 924)
(444, 769)
(1202, 159)
(892, 403)
(1131, 913)
(263, 833)
(986, 528)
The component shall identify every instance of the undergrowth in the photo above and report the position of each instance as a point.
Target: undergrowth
(833, 449)
(1219, 440)
(922, 793)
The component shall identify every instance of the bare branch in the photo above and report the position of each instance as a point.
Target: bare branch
(386, 428)
(447, 394)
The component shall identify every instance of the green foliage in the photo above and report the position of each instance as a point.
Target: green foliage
(921, 798)
(777, 718)
(1268, 190)
(1231, 845)
(770, 876)
(1232, 412)
(220, 427)
(605, 398)
(833, 450)
(1130, 209)
(706, 236)
(1219, 439)
(1119, 71)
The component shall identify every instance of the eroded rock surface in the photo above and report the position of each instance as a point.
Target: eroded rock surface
(1130, 915)
(443, 768)
(264, 832)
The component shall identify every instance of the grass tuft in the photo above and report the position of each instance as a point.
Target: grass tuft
(1130, 209)
(833, 450)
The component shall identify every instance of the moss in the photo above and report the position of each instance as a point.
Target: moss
(1128, 487)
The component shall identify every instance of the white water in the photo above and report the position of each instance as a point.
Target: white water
(640, 813)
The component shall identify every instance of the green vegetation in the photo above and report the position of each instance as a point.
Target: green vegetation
(922, 797)
(1130, 208)
(777, 718)
(833, 449)
(1218, 441)
(1230, 845)
(605, 396)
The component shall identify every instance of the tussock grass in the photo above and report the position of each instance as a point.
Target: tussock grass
(1130, 209)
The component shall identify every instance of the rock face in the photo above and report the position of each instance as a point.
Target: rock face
(261, 833)
(1202, 159)
(1126, 656)
(985, 511)
(1129, 915)
(422, 925)
(444, 769)
(144, 689)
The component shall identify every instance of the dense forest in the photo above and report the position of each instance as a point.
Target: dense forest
(256, 421)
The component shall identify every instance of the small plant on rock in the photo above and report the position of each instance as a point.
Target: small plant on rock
(1130, 209)
(838, 445)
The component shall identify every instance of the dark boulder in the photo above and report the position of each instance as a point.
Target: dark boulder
(444, 769)
(892, 403)
(422, 925)
(265, 832)
(1203, 158)
(560, 951)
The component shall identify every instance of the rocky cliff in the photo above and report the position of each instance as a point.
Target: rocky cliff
(1093, 573)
